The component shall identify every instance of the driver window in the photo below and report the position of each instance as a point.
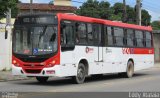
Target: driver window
(67, 37)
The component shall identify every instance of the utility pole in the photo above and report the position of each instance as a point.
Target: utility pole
(31, 2)
(8, 17)
(124, 11)
(138, 12)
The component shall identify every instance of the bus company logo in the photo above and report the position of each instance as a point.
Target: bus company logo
(32, 65)
(35, 51)
(127, 50)
(89, 50)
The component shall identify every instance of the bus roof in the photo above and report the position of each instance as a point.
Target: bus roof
(101, 21)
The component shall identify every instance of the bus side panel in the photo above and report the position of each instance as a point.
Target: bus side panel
(71, 59)
(114, 61)
(143, 61)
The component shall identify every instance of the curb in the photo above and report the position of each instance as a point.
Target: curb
(5, 80)
(11, 80)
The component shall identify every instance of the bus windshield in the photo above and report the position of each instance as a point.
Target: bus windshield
(35, 40)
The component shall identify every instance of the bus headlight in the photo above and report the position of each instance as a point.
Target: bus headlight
(51, 64)
(15, 63)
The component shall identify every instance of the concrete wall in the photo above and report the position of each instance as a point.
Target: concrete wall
(156, 36)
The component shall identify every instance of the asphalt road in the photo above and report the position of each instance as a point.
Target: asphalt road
(144, 80)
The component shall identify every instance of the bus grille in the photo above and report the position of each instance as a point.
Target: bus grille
(33, 59)
(34, 65)
(34, 71)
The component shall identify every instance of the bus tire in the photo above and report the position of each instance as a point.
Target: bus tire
(81, 74)
(129, 70)
(42, 79)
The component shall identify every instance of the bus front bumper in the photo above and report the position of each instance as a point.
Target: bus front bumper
(48, 72)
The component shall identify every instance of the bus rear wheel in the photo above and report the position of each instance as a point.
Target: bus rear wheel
(129, 71)
(81, 74)
(42, 79)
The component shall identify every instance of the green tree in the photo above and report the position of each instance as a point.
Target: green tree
(146, 18)
(116, 12)
(93, 8)
(5, 4)
(104, 9)
(89, 8)
(51, 2)
(156, 25)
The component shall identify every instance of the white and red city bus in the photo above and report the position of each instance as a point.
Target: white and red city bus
(63, 45)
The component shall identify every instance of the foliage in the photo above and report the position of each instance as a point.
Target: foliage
(5, 4)
(146, 18)
(156, 25)
(94, 8)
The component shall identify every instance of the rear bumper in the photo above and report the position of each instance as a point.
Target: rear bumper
(44, 72)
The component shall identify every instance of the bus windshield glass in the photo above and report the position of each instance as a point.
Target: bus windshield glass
(35, 39)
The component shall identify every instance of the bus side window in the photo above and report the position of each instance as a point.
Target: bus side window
(118, 36)
(67, 36)
(139, 38)
(97, 34)
(130, 37)
(90, 34)
(148, 39)
(81, 33)
(109, 36)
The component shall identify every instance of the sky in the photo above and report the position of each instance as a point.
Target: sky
(152, 6)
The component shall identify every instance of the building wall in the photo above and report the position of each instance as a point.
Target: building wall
(5, 48)
(62, 2)
(157, 46)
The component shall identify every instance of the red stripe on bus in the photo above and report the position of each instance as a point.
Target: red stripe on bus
(138, 50)
(143, 51)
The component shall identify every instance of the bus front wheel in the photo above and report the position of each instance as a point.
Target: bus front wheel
(81, 74)
(42, 79)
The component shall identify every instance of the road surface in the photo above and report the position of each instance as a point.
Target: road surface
(143, 81)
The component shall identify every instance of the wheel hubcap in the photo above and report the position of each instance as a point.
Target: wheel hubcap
(80, 73)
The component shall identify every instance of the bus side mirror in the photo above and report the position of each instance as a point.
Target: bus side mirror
(6, 34)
